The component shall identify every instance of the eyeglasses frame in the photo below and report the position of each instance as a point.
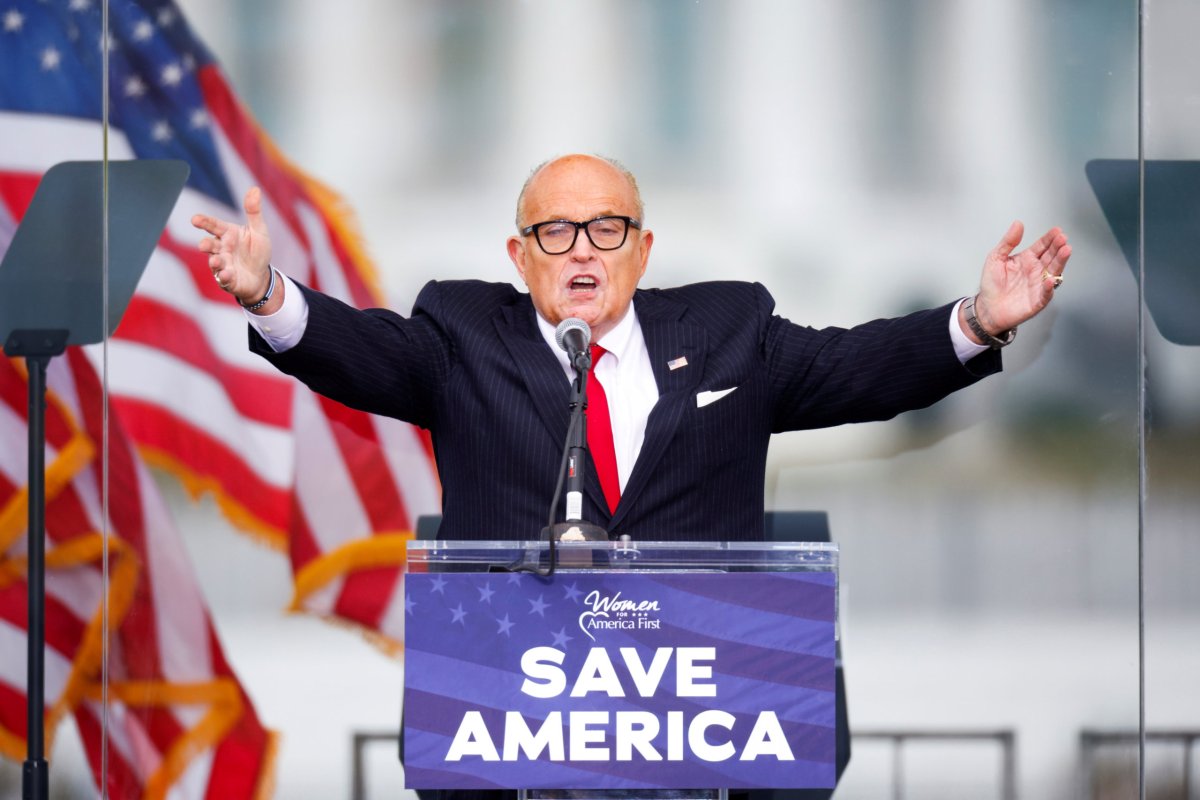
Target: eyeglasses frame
(630, 222)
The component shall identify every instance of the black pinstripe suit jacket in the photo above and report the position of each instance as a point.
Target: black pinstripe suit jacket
(470, 365)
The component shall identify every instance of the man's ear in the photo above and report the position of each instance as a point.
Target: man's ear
(645, 242)
(516, 251)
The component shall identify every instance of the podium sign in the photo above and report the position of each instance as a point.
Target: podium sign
(650, 675)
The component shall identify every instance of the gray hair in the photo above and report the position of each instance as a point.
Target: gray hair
(617, 165)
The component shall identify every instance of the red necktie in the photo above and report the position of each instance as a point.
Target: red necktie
(600, 436)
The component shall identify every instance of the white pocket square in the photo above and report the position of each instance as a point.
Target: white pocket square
(704, 398)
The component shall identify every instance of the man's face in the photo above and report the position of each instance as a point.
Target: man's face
(594, 285)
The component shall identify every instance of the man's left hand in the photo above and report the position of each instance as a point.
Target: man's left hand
(1016, 286)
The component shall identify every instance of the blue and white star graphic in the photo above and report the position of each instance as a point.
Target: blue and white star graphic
(52, 52)
(481, 607)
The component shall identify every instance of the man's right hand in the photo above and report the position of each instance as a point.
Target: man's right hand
(240, 255)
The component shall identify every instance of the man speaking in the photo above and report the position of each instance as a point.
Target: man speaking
(689, 382)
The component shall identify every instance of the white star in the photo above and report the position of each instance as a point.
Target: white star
(143, 30)
(539, 607)
(409, 604)
(439, 585)
(485, 593)
(505, 626)
(51, 58)
(189, 62)
(459, 615)
(166, 16)
(561, 638)
(107, 41)
(172, 75)
(13, 21)
(573, 592)
(198, 119)
(161, 132)
(134, 86)
(79, 5)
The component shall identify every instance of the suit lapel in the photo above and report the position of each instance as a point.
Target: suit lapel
(544, 379)
(668, 339)
(540, 370)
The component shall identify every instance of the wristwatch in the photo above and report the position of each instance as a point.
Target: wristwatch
(270, 291)
(995, 342)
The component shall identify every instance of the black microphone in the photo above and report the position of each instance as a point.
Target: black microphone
(574, 336)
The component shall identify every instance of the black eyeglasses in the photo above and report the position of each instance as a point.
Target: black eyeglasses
(558, 235)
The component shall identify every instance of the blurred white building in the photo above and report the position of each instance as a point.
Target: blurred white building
(859, 158)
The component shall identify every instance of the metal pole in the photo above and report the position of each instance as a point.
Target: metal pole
(36, 774)
(1008, 741)
(1086, 784)
(358, 790)
(1188, 744)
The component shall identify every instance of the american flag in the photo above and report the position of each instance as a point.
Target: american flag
(189, 393)
(336, 489)
(180, 724)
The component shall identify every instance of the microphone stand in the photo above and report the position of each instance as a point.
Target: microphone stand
(572, 471)
(574, 529)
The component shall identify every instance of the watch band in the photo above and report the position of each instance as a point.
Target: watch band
(265, 297)
(995, 342)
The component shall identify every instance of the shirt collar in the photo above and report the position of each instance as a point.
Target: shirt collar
(616, 342)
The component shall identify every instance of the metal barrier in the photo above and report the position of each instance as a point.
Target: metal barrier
(358, 776)
(1091, 741)
(1005, 737)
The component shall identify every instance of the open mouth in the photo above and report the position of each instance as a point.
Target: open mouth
(582, 283)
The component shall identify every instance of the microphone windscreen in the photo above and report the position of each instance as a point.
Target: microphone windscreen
(572, 324)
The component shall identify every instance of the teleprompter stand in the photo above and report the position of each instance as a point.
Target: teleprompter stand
(52, 285)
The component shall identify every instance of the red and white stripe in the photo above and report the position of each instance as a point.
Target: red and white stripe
(355, 475)
(311, 474)
(165, 639)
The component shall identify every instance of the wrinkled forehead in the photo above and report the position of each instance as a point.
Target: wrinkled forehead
(578, 188)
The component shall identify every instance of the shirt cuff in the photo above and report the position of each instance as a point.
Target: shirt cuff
(283, 329)
(964, 348)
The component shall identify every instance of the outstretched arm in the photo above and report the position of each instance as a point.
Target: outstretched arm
(240, 255)
(1017, 286)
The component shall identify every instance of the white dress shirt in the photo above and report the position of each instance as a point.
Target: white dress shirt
(283, 329)
(624, 372)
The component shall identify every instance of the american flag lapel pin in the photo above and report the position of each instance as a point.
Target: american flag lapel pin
(676, 363)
